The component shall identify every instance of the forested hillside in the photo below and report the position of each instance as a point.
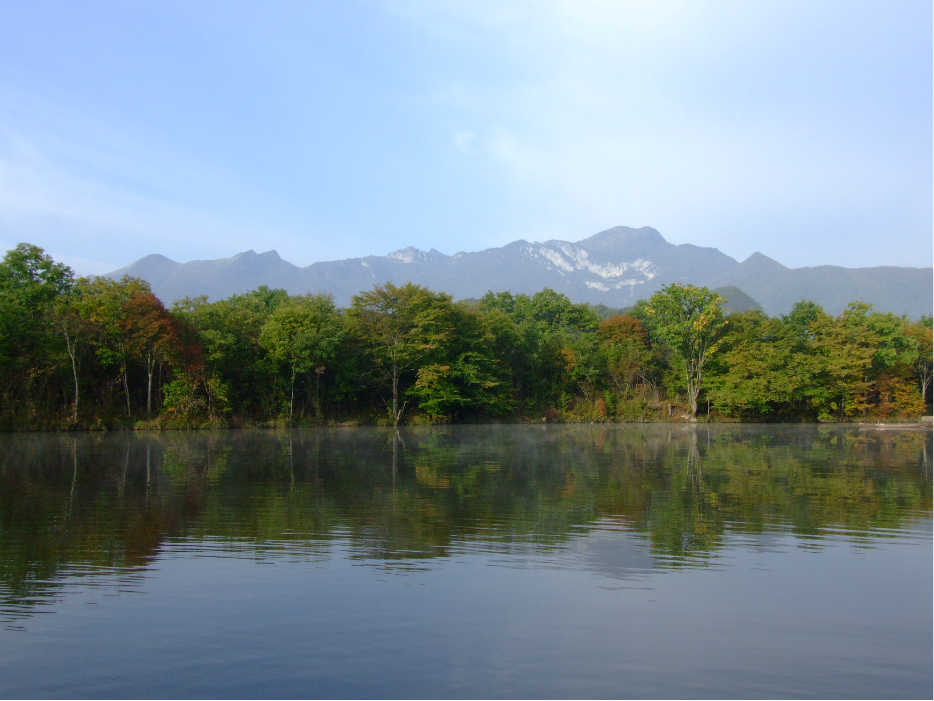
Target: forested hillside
(104, 353)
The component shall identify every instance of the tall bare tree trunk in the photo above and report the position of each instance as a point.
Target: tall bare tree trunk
(694, 372)
(318, 372)
(292, 395)
(70, 346)
(74, 371)
(126, 390)
(693, 391)
(150, 366)
(395, 394)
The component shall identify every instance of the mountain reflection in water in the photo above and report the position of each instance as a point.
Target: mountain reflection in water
(617, 500)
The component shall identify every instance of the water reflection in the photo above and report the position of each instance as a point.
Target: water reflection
(619, 500)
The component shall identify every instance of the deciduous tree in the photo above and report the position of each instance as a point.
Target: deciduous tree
(302, 334)
(401, 327)
(690, 319)
(152, 334)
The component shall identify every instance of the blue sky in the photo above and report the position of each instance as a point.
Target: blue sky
(326, 130)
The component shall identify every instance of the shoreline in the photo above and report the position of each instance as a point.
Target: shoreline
(922, 423)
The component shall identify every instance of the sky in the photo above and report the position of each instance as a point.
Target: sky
(329, 130)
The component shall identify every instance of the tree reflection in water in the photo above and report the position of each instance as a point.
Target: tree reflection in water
(71, 505)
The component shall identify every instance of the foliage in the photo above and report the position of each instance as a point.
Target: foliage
(31, 354)
(553, 344)
(152, 335)
(467, 377)
(623, 350)
(401, 329)
(690, 320)
(302, 335)
(96, 352)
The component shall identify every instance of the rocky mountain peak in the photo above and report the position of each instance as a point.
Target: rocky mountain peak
(616, 267)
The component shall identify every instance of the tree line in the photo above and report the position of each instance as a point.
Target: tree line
(80, 352)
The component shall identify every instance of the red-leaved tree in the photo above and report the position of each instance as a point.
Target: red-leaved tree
(152, 334)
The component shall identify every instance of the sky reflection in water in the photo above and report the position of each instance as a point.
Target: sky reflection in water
(468, 561)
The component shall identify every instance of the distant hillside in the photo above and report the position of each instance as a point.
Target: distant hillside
(737, 300)
(900, 290)
(616, 268)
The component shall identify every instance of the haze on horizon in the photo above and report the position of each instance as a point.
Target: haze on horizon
(333, 130)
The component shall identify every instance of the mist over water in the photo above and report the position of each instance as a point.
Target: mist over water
(483, 561)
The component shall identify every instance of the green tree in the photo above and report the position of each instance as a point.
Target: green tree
(920, 332)
(30, 284)
(467, 375)
(843, 350)
(760, 367)
(302, 334)
(624, 351)
(401, 327)
(31, 274)
(76, 330)
(102, 302)
(229, 330)
(690, 319)
(553, 349)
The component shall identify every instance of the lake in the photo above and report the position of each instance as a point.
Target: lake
(468, 561)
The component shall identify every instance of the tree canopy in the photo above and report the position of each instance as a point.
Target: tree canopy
(96, 352)
(690, 319)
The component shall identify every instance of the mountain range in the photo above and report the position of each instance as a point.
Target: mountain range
(616, 267)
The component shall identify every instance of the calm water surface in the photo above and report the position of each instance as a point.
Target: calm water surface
(485, 561)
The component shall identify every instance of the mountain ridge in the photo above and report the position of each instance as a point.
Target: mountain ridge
(615, 267)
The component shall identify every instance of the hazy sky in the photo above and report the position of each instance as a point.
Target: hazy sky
(327, 130)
